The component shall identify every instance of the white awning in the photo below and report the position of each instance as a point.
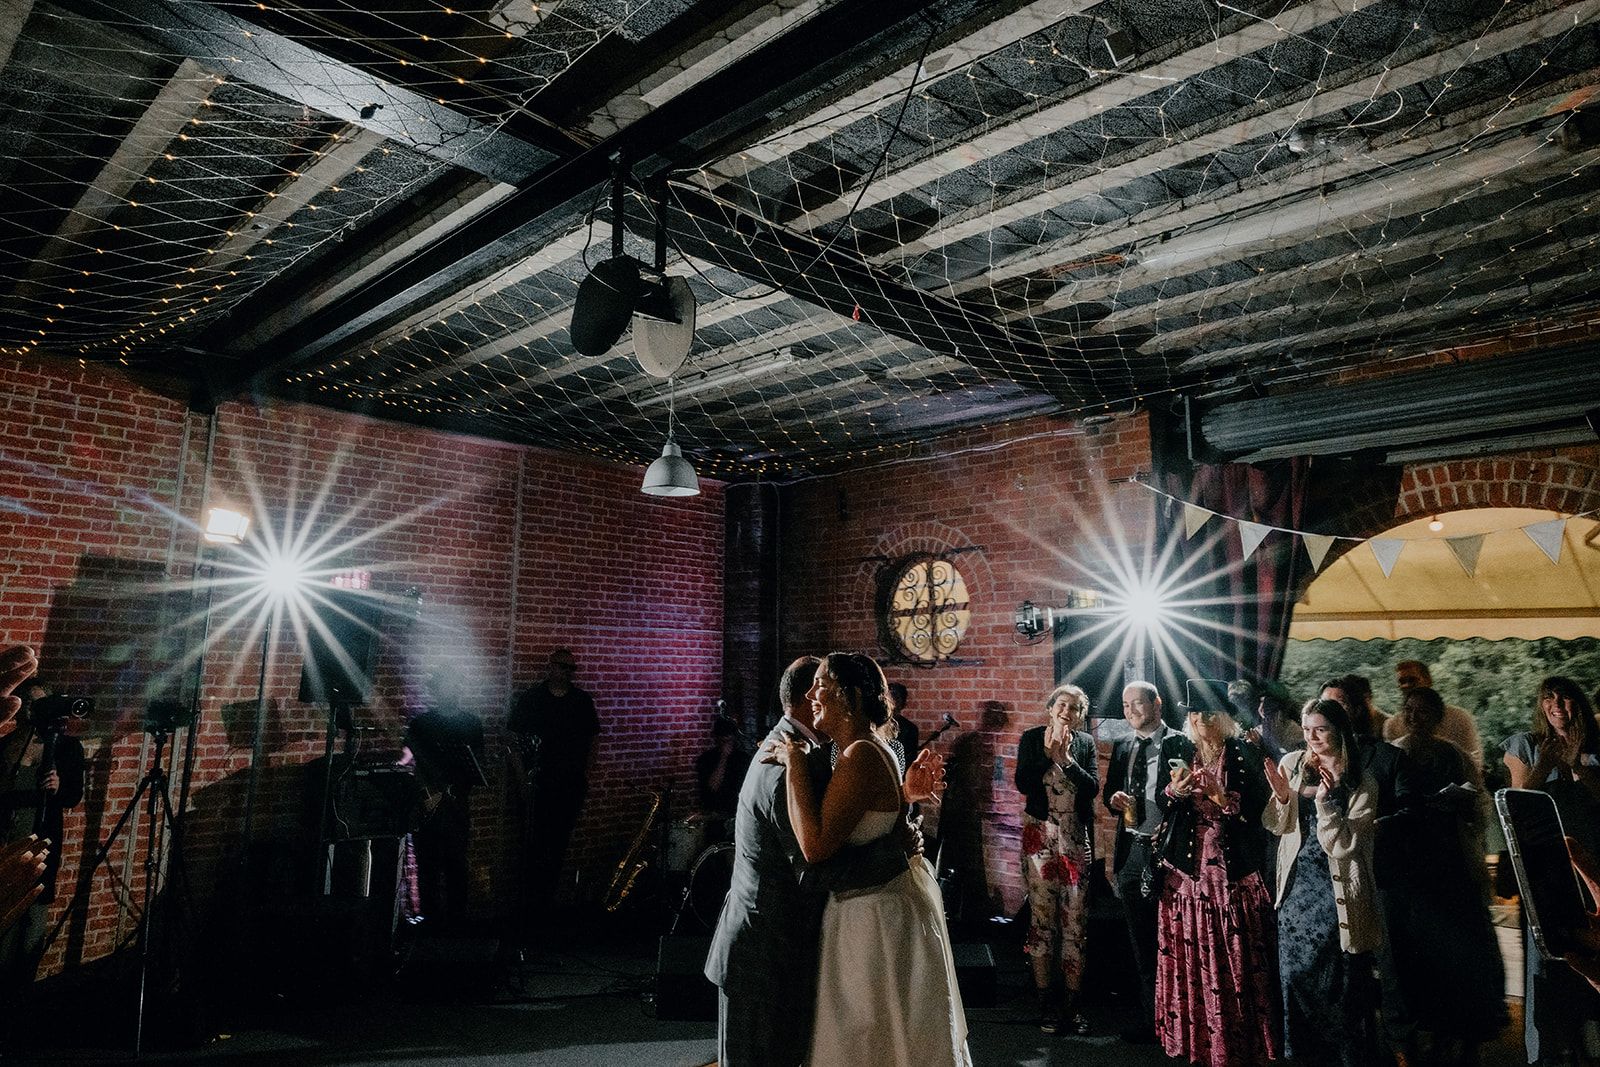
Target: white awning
(1515, 590)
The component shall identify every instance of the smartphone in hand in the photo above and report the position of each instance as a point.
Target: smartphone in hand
(1552, 898)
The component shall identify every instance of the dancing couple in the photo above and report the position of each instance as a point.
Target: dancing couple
(832, 945)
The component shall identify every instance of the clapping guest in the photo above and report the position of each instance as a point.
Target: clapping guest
(1056, 774)
(1323, 809)
(1559, 754)
(1446, 956)
(1214, 972)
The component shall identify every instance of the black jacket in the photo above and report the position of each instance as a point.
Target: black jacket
(1177, 843)
(1117, 782)
(1032, 764)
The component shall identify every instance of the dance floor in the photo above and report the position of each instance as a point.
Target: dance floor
(573, 1008)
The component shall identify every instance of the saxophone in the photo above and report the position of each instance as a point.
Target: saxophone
(632, 865)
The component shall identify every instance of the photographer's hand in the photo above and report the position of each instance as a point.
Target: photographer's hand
(17, 665)
(51, 783)
(21, 873)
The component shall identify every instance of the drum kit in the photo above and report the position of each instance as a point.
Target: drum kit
(700, 852)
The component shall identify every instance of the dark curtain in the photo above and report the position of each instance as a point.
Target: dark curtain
(1244, 606)
(1241, 609)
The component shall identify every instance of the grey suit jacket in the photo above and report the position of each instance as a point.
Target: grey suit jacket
(767, 937)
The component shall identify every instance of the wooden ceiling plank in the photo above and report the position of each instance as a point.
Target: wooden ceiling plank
(1359, 86)
(1114, 90)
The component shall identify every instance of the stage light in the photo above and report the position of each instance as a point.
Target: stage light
(1142, 605)
(1436, 524)
(281, 576)
(225, 526)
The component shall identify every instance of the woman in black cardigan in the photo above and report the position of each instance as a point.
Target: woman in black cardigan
(1056, 774)
(1216, 937)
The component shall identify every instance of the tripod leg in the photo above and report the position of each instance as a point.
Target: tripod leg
(86, 874)
(152, 867)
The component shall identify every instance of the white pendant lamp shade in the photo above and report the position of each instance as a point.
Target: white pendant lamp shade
(671, 475)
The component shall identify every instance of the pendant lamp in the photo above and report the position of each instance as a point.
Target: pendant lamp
(671, 474)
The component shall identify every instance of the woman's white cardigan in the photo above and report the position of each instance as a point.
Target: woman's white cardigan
(1346, 836)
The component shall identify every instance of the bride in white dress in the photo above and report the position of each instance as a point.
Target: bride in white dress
(886, 984)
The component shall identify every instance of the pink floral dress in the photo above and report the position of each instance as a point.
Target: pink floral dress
(1217, 950)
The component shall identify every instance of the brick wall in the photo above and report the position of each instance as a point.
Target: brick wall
(514, 552)
(1565, 480)
(1035, 505)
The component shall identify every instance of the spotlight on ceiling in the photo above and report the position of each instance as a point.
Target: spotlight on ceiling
(619, 287)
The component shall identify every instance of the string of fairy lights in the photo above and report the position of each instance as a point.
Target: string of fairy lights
(1103, 205)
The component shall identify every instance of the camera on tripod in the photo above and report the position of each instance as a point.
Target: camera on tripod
(48, 714)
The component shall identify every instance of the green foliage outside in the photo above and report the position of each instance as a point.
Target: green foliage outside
(1494, 680)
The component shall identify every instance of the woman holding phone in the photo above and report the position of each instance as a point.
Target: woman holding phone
(1056, 774)
(1323, 810)
(1559, 755)
(1215, 1003)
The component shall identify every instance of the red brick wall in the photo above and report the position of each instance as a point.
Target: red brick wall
(1037, 505)
(1565, 480)
(514, 551)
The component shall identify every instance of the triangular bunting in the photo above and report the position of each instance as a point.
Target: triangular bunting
(1466, 550)
(1194, 518)
(1317, 546)
(1387, 552)
(1548, 535)
(1251, 534)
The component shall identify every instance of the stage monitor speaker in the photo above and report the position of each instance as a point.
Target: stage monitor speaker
(1101, 665)
(975, 973)
(339, 662)
(682, 989)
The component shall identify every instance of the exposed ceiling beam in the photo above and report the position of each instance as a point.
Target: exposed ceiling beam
(177, 102)
(296, 192)
(1397, 151)
(547, 326)
(1391, 257)
(1389, 193)
(1167, 66)
(1351, 88)
(1402, 323)
(459, 196)
(1320, 170)
(13, 15)
(757, 28)
(941, 63)
(255, 55)
(1377, 285)
(694, 126)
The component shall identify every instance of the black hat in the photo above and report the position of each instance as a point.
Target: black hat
(1206, 694)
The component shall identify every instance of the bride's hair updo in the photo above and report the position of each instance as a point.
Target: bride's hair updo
(863, 683)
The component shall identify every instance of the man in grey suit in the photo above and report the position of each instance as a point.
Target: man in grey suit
(763, 955)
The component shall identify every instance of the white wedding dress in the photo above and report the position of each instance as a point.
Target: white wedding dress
(886, 985)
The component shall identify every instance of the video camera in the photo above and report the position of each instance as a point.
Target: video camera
(48, 713)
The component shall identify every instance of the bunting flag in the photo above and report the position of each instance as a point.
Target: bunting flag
(1548, 536)
(1252, 534)
(1465, 550)
(1387, 552)
(1317, 546)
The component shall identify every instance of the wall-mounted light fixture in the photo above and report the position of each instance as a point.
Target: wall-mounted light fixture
(226, 526)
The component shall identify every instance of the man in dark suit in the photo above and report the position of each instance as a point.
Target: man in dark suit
(764, 953)
(1132, 778)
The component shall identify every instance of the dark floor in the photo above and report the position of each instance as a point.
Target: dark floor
(586, 999)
